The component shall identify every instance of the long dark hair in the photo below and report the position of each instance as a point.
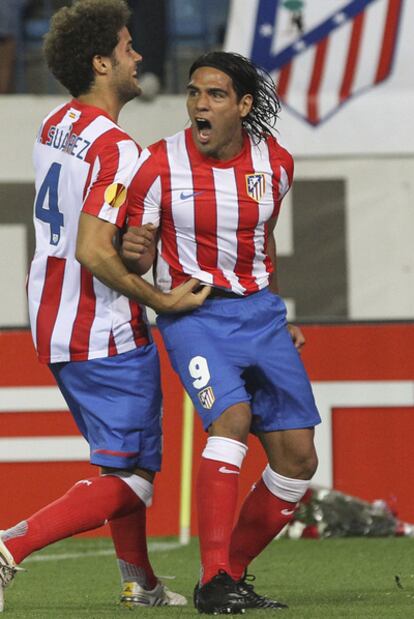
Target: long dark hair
(78, 33)
(250, 79)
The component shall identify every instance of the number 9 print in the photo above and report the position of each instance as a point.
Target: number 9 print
(198, 369)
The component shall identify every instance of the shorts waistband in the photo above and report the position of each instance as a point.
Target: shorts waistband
(222, 293)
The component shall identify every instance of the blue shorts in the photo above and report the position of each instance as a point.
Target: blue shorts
(239, 350)
(116, 404)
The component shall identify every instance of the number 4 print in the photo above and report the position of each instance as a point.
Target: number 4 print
(49, 191)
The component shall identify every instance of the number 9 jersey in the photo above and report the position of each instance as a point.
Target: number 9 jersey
(83, 162)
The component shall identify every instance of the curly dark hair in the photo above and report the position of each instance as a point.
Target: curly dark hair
(250, 79)
(78, 33)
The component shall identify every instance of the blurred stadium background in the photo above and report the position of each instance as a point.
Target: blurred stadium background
(344, 238)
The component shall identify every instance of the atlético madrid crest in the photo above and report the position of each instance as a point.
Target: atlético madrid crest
(207, 397)
(322, 53)
(255, 185)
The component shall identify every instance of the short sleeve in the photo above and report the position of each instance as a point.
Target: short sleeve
(144, 200)
(112, 172)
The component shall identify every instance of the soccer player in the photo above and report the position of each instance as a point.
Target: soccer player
(83, 303)
(214, 192)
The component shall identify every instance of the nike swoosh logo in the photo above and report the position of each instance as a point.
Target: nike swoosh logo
(223, 469)
(287, 512)
(187, 196)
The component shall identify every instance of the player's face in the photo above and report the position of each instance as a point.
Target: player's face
(125, 59)
(215, 113)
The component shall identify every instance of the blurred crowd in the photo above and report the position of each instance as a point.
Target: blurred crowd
(167, 33)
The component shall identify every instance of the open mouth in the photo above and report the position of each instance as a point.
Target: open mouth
(204, 129)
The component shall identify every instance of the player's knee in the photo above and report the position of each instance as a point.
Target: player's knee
(305, 465)
(298, 465)
(309, 466)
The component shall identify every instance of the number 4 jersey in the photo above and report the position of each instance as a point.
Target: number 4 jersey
(83, 162)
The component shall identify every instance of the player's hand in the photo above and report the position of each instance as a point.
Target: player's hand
(297, 336)
(138, 241)
(186, 297)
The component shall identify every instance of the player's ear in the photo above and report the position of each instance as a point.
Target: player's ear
(100, 64)
(245, 105)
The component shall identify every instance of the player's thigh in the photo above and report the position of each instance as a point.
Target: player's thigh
(291, 452)
(282, 395)
(70, 398)
(118, 400)
(233, 423)
(199, 356)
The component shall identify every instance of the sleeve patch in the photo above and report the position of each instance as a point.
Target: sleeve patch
(115, 195)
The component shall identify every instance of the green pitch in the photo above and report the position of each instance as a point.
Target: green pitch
(319, 579)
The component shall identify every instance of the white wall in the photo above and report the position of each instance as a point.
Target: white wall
(380, 225)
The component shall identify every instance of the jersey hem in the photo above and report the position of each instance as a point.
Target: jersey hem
(98, 354)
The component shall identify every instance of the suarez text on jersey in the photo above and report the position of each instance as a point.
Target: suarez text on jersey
(69, 142)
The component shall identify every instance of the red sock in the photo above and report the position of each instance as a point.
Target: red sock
(261, 518)
(217, 488)
(130, 541)
(87, 505)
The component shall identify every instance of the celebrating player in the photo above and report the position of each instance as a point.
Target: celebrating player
(85, 317)
(214, 192)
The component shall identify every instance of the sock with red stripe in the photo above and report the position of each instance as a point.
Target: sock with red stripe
(87, 505)
(217, 491)
(262, 516)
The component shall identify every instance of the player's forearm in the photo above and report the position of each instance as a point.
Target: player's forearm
(95, 251)
(110, 270)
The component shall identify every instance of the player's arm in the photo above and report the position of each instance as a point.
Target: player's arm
(95, 250)
(295, 332)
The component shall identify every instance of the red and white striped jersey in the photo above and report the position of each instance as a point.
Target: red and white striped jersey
(83, 162)
(213, 215)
